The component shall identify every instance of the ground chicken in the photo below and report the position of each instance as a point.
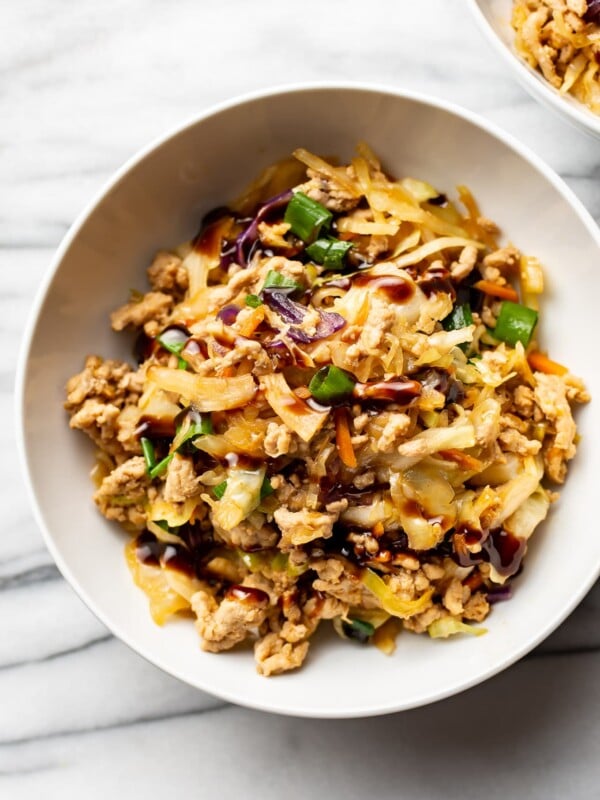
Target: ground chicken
(454, 597)
(123, 494)
(181, 481)
(396, 427)
(299, 527)
(274, 655)
(371, 341)
(278, 440)
(465, 264)
(335, 580)
(251, 534)
(112, 381)
(420, 622)
(328, 193)
(476, 608)
(550, 395)
(273, 235)
(514, 442)
(167, 274)
(523, 399)
(154, 306)
(505, 259)
(228, 623)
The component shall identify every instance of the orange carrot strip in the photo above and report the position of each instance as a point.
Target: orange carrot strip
(505, 292)
(542, 363)
(463, 460)
(252, 322)
(474, 581)
(343, 439)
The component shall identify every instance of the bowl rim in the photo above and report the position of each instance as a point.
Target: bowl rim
(114, 626)
(535, 84)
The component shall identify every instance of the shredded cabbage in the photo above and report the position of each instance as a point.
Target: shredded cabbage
(390, 602)
(450, 626)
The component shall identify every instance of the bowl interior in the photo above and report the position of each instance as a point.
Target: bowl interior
(158, 202)
(494, 17)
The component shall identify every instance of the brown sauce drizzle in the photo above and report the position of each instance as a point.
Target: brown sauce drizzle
(246, 594)
(242, 461)
(501, 549)
(395, 287)
(195, 347)
(208, 242)
(155, 427)
(396, 390)
(436, 279)
(151, 551)
(298, 406)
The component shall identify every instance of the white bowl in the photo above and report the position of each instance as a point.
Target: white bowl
(494, 17)
(157, 200)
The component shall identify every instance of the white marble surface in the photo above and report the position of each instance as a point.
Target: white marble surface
(84, 85)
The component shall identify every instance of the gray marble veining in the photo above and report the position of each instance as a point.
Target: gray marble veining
(82, 86)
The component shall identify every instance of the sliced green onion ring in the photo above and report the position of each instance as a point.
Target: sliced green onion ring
(329, 252)
(515, 323)
(253, 300)
(460, 317)
(275, 280)
(331, 385)
(306, 217)
(149, 454)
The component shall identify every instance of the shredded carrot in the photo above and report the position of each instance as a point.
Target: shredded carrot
(494, 290)
(463, 460)
(252, 321)
(378, 529)
(343, 439)
(542, 363)
(228, 372)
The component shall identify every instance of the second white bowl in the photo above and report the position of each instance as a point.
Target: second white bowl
(493, 17)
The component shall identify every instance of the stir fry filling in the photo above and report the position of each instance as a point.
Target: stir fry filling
(561, 39)
(340, 412)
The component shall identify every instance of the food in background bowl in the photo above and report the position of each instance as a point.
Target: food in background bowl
(340, 413)
(561, 39)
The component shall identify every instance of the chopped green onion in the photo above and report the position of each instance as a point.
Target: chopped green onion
(149, 454)
(275, 280)
(253, 300)
(331, 385)
(306, 217)
(329, 252)
(183, 437)
(162, 523)
(459, 317)
(161, 467)
(175, 346)
(515, 323)
(266, 489)
(358, 629)
(219, 490)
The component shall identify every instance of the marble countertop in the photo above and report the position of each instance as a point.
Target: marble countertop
(84, 85)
